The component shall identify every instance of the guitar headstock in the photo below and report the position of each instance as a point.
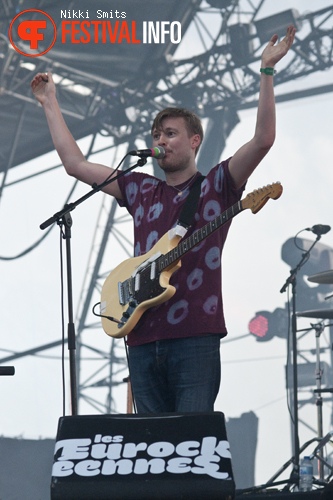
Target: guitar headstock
(259, 197)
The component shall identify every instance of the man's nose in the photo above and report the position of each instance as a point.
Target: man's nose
(162, 140)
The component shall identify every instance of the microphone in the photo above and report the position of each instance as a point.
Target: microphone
(156, 152)
(319, 229)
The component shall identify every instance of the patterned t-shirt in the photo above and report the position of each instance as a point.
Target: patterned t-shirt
(196, 308)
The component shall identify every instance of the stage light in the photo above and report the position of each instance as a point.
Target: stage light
(307, 375)
(258, 325)
(320, 258)
(219, 4)
(241, 43)
(278, 23)
(265, 325)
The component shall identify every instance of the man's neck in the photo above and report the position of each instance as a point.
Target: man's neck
(179, 177)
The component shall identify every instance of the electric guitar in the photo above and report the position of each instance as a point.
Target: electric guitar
(140, 283)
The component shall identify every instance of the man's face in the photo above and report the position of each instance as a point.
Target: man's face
(179, 146)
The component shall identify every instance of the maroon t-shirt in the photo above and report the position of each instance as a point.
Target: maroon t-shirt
(196, 308)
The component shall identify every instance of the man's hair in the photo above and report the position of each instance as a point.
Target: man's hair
(192, 121)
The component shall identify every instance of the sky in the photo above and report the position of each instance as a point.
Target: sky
(253, 373)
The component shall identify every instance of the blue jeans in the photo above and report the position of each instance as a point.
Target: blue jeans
(177, 375)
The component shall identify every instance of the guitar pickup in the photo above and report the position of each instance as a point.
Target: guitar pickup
(153, 271)
(137, 282)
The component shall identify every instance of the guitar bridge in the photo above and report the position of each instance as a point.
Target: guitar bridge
(125, 291)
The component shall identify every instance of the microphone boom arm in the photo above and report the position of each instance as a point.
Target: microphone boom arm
(69, 207)
(294, 271)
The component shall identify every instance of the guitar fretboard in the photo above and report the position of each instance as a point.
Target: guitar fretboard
(187, 244)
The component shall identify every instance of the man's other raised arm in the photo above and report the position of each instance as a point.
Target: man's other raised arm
(72, 158)
(246, 159)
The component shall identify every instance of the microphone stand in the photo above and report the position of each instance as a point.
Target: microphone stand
(63, 217)
(292, 280)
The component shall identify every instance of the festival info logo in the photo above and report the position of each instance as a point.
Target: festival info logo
(32, 32)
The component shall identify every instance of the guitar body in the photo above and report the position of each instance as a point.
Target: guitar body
(142, 287)
(140, 283)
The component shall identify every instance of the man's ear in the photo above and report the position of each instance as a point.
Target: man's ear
(195, 141)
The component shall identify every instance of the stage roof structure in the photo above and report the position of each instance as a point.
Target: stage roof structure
(96, 81)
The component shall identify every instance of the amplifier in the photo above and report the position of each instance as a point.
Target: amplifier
(167, 456)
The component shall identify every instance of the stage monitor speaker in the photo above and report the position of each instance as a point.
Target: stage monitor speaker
(168, 456)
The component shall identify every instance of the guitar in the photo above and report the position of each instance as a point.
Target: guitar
(140, 283)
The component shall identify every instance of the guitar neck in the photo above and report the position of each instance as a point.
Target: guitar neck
(187, 244)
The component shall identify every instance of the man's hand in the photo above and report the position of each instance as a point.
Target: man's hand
(42, 85)
(273, 53)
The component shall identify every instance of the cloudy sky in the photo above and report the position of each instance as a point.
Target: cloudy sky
(253, 373)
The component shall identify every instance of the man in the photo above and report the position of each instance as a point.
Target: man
(174, 356)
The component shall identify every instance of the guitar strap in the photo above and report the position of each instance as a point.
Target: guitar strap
(187, 214)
